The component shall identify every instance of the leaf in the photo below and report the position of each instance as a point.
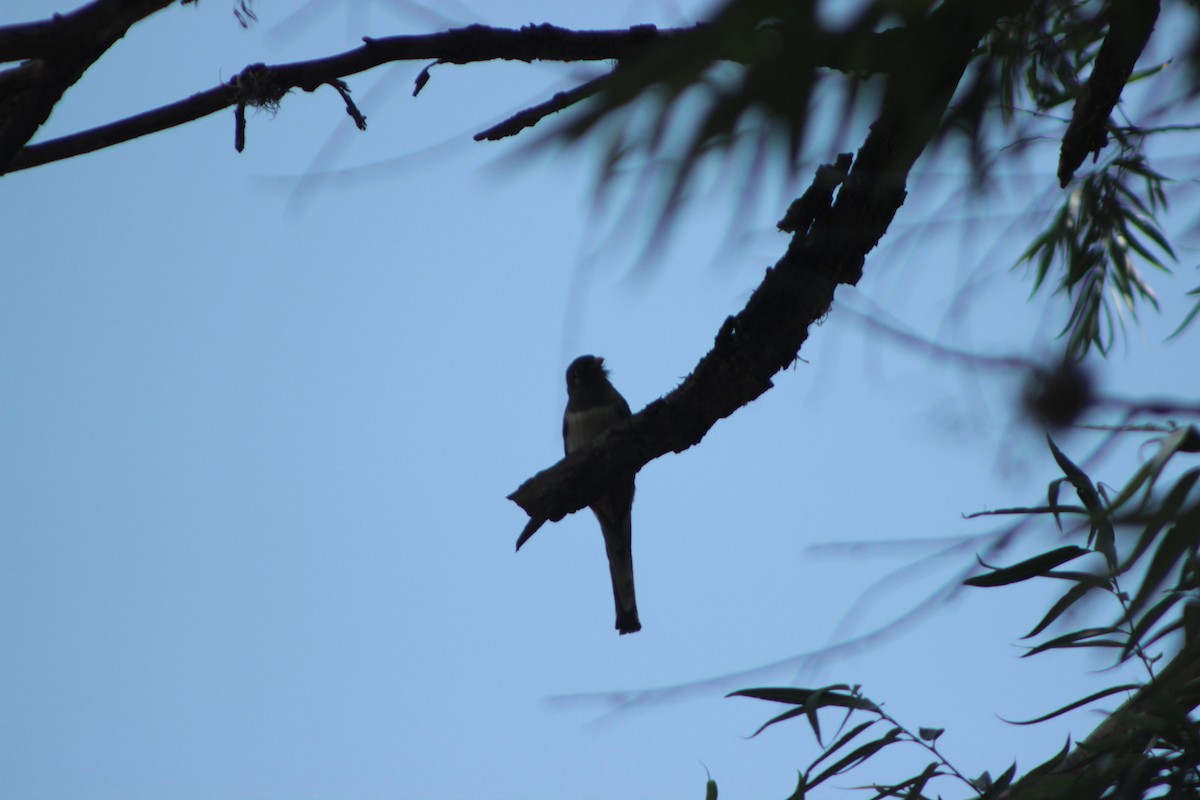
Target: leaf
(801, 788)
(1190, 316)
(811, 708)
(1100, 581)
(1052, 497)
(1148, 620)
(1191, 623)
(841, 742)
(983, 782)
(807, 702)
(1072, 595)
(1081, 638)
(1051, 763)
(996, 788)
(1177, 541)
(918, 786)
(912, 787)
(1102, 529)
(1174, 442)
(1078, 478)
(1178, 440)
(833, 696)
(1115, 644)
(1030, 568)
(1167, 512)
(789, 714)
(858, 756)
(1130, 489)
(1148, 227)
(780, 695)
(1138, 165)
(1091, 698)
(1163, 632)
(930, 734)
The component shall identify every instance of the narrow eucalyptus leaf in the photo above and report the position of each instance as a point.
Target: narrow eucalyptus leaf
(789, 714)
(801, 788)
(1030, 568)
(1078, 478)
(841, 742)
(1172, 548)
(1069, 598)
(778, 695)
(858, 756)
(1091, 698)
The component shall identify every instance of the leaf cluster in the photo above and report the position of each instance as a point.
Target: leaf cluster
(1158, 550)
(762, 77)
(852, 747)
(1039, 56)
(1093, 243)
(1145, 534)
(750, 77)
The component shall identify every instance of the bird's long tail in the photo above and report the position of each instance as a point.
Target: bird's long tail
(618, 542)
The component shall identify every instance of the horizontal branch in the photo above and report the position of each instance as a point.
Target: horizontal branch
(471, 44)
(474, 43)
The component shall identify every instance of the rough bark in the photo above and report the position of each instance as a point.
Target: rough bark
(59, 51)
(766, 336)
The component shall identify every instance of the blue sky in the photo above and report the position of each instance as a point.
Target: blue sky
(258, 434)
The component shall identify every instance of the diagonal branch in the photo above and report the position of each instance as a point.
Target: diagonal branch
(1130, 23)
(59, 52)
(766, 336)
(531, 116)
(63, 34)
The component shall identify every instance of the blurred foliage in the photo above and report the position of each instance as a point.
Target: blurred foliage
(1092, 245)
(762, 80)
(759, 77)
(1138, 547)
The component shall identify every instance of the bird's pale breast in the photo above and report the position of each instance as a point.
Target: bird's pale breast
(584, 426)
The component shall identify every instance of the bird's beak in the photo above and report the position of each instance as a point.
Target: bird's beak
(600, 360)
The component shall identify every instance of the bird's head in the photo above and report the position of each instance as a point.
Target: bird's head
(586, 371)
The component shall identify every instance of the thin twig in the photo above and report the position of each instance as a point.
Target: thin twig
(535, 114)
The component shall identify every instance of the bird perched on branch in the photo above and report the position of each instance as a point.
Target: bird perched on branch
(593, 406)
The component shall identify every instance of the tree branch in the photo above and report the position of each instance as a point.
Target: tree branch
(1130, 23)
(458, 46)
(474, 43)
(64, 33)
(534, 114)
(60, 51)
(766, 336)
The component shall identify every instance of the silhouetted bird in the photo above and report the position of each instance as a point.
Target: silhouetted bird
(593, 406)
